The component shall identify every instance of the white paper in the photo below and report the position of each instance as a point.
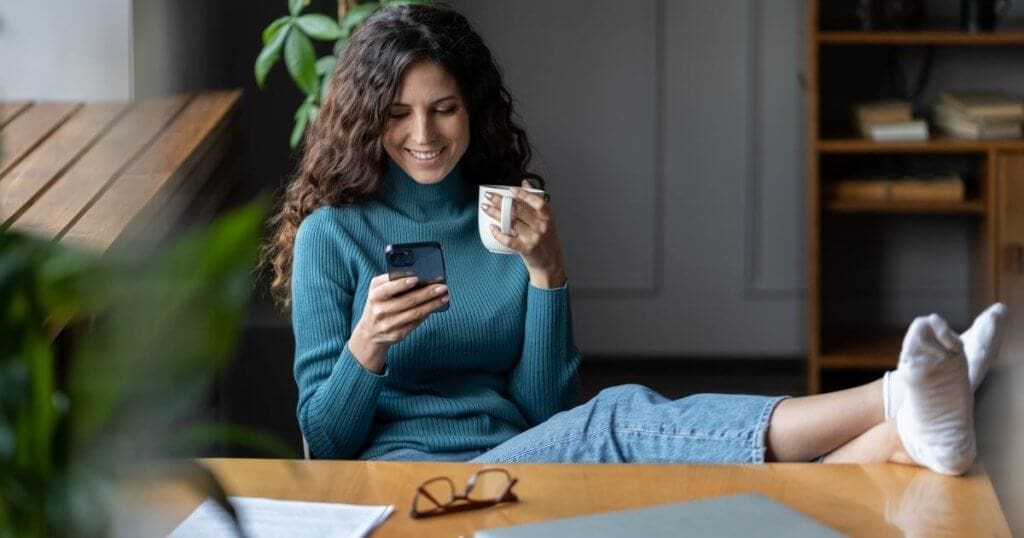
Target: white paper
(265, 518)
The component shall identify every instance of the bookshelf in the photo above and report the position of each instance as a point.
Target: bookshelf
(837, 57)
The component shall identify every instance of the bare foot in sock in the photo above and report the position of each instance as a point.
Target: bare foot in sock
(935, 421)
(981, 345)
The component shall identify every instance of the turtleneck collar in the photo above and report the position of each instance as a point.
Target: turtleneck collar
(403, 192)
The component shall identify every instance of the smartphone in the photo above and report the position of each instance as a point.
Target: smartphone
(422, 260)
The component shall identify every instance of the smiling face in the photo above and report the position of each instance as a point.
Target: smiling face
(428, 129)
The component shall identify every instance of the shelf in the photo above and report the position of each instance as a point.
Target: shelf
(934, 145)
(921, 37)
(870, 206)
(861, 350)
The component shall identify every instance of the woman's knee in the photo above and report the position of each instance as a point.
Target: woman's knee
(625, 393)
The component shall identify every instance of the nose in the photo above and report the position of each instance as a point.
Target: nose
(423, 129)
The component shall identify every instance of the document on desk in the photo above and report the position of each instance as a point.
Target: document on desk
(270, 517)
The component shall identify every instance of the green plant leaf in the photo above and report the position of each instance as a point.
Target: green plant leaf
(300, 59)
(319, 27)
(357, 15)
(339, 46)
(325, 65)
(274, 27)
(325, 68)
(271, 53)
(296, 6)
(325, 88)
(301, 121)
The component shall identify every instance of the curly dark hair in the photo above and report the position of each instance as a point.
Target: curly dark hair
(344, 159)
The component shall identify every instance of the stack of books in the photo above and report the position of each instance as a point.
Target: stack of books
(948, 187)
(889, 121)
(980, 115)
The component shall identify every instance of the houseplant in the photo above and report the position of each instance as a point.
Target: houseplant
(149, 332)
(291, 37)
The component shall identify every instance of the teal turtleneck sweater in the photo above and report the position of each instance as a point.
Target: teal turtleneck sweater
(499, 361)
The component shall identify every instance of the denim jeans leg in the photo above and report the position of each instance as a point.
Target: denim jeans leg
(633, 424)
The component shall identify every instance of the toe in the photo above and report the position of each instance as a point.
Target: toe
(946, 336)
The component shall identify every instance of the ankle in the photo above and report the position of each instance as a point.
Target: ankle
(897, 452)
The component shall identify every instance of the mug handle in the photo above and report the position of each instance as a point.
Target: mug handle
(506, 214)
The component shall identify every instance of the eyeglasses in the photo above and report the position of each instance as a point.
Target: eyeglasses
(487, 487)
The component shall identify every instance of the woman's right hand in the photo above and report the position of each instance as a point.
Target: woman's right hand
(388, 319)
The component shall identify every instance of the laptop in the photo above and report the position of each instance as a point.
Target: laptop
(735, 515)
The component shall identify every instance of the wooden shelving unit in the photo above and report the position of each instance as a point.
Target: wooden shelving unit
(833, 348)
(922, 37)
(935, 145)
(856, 206)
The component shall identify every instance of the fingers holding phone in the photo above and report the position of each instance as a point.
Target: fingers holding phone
(394, 308)
(398, 306)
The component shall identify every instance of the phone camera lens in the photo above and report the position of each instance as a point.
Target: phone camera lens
(402, 258)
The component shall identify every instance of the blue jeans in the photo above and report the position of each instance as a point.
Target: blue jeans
(634, 424)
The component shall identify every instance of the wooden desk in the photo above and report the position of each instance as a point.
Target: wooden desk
(863, 500)
(102, 174)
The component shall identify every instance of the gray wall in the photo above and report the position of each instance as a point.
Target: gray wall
(108, 49)
(65, 49)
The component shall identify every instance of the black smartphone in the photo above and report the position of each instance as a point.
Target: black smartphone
(422, 260)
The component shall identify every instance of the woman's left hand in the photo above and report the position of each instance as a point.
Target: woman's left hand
(533, 236)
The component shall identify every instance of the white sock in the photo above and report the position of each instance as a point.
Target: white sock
(981, 342)
(935, 421)
(981, 345)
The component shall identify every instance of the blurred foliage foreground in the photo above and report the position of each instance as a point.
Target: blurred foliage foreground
(149, 336)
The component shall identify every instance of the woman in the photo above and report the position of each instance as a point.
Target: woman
(417, 117)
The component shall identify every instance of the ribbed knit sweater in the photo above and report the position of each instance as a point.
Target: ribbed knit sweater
(499, 361)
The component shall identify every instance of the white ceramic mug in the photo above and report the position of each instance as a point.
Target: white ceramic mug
(484, 221)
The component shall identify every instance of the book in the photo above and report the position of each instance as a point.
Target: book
(902, 131)
(734, 515)
(915, 188)
(956, 123)
(927, 190)
(860, 190)
(985, 105)
(866, 115)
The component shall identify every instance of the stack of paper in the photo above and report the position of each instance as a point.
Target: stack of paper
(269, 517)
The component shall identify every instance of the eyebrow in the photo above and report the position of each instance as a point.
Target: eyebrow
(432, 103)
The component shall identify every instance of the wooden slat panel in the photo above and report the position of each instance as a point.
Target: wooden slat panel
(157, 173)
(29, 129)
(29, 179)
(216, 173)
(10, 109)
(57, 209)
(1011, 254)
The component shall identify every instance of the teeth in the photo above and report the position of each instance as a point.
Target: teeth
(425, 155)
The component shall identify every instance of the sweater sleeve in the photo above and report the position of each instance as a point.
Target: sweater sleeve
(337, 396)
(545, 381)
